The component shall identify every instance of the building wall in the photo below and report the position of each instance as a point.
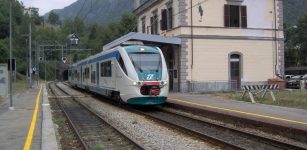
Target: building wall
(260, 13)
(3, 80)
(261, 43)
(212, 59)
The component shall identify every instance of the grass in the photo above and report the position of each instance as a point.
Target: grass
(20, 86)
(60, 121)
(293, 99)
(1, 99)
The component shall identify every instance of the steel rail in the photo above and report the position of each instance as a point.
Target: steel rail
(268, 140)
(135, 143)
(261, 139)
(71, 124)
(254, 138)
(187, 130)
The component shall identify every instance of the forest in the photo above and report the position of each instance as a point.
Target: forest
(53, 31)
(94, 36)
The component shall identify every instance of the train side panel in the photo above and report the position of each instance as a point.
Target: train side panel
(113, 74)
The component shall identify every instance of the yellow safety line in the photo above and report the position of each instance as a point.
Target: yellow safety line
(28, 142)
(241, 112)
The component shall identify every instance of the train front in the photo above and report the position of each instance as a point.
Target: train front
(151, 76)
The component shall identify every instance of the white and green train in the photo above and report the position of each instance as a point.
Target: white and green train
(133, 74)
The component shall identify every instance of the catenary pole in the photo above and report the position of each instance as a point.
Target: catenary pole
(30, 55)
(11, 66)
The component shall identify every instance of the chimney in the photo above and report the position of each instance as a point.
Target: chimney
(136, 4)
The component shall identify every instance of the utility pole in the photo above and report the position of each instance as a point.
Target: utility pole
(11, 66)
(36, 63)
(45, 65)
(30, 54)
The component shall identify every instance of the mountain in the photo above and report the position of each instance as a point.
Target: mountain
(105, 11)
(95, 11)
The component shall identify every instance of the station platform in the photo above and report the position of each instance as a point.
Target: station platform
(29, 124)
(276, 115)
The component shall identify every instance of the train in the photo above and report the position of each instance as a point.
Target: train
(135, 74)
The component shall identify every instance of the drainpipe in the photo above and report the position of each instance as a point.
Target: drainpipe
(275, 35)
(192, 48)
(192, 36)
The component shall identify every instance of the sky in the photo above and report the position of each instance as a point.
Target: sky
(47, 5)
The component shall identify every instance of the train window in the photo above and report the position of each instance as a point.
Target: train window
(75, 74)
(146, 61)
(106, 69)
(102, 69)
(122, 64)
(72, 75)
(87, 72)
(83, 76)
(93, 79)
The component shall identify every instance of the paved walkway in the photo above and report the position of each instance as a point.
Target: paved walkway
(292, 117)
(29, 125)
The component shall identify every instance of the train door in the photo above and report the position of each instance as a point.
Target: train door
(97, 74)
(113, 75)
(170, 65)
(82, 76)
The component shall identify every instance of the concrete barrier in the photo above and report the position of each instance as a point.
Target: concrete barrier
(3, 80)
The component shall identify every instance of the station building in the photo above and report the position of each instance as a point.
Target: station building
(223, 43)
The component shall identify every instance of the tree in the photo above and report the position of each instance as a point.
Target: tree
(128, 23)
(296, 43)
(4, 50)
(301, 39)
(36, 19)
(53, 18)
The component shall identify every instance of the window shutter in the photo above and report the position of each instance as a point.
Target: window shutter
(163, 24)
(170, 18)
(243, 17)
(227, 15)
(151, 25)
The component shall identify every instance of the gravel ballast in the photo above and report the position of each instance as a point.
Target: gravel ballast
(148, 133)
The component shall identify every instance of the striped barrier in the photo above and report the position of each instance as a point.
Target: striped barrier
(254, 90)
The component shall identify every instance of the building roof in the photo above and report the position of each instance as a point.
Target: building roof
(145, 5)
(146, 38)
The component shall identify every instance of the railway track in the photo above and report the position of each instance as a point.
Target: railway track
(229, 137)
(92, 131)
(225, 136)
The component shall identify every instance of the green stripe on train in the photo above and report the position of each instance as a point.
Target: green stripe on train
(147, 100)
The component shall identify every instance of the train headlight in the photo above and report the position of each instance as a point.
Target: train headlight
(137, 83)
(163, 83)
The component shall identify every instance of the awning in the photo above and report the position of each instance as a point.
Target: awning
(145, 38)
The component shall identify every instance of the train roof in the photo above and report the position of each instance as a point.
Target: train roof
(93, 56)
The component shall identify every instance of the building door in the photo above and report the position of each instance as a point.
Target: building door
(170, 65)
(235, 71)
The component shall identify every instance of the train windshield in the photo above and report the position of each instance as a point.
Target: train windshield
(147, 64)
